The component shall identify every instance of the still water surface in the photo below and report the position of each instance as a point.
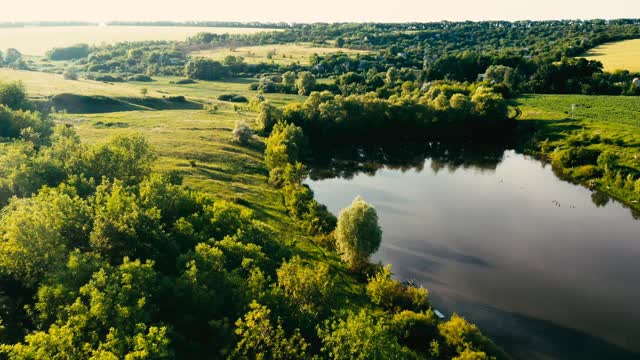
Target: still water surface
(529, 257)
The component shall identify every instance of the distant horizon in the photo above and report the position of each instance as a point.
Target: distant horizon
(108, 22)
(329, 11)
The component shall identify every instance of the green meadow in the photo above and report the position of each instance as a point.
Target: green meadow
(281, 54)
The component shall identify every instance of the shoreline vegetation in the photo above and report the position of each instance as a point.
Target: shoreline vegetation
(167, 189)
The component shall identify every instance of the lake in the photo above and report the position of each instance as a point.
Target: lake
(545, 267)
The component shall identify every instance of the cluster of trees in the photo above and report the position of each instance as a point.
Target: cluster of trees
(12, 58)
(290, 82)
(129, 58)
(232, 66)
(284, 151)
(78, 51)
(445, 110)
(580, 157)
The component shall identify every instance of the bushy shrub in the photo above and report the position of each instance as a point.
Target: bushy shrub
(233, 98)
(242, 132)
(574, 156)
(390, 293)
(14, 95)
(69, 53)
(70, 74)
(106, 78)
(140, 78)
(362, 336)
(308, 287)
(183, 82)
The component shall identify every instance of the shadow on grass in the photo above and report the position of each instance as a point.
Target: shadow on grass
(530, 131)
(82, 104)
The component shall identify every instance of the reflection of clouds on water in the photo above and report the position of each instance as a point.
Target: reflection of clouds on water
(429, 251)
(528, 337)
(390, 209)
(494, 234)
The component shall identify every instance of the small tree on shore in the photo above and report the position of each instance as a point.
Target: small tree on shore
(144, 92)
(358, 234)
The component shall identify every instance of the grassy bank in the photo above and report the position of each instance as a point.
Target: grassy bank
(574, 130)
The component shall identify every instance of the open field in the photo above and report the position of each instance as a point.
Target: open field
(42, 85)
(617, 116)
(616, 119)
(37, 40)
(280, 54)
(622, 55)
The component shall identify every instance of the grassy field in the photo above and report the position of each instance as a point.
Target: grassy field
(622, 55)
(280, 54)
(195, 143)
(37, 40)
(616, 119)
(41, 85)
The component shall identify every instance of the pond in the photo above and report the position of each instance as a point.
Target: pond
(547, 268)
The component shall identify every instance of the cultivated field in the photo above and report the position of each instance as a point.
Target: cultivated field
(279, 54)
(623, 55)
(37, 40)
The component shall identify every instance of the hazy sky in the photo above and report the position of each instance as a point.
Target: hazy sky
(319, 10)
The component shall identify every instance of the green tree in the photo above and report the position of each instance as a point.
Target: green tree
(260, 339)
(306, 83)
(268, 116)
(309, 288)
(111, 318)
(289, 78)
(499, 74)
(361, 336)
(284, 145)
(358, 234)
(382, 289)
(489, 104)
(14, 95)
(36, 234)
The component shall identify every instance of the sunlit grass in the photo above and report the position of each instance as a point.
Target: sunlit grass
(280, 54)
(42, 85)
(622, 55)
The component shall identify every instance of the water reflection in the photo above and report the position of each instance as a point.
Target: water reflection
(348, 162)
(492, 229)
